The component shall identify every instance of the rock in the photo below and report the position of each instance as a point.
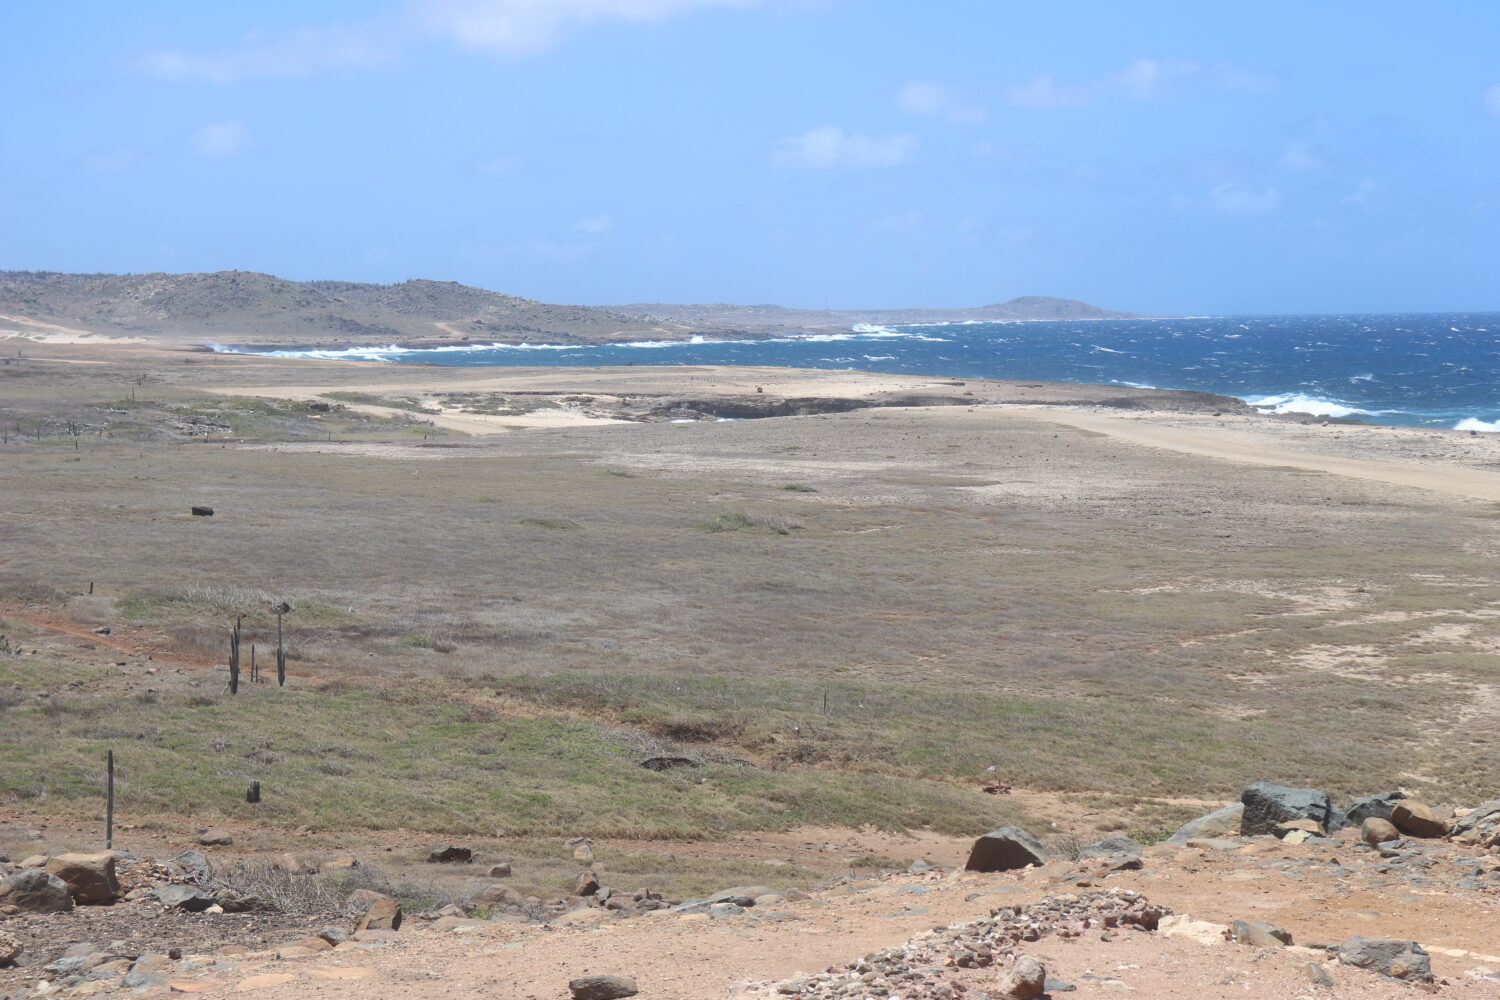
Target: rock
(502, 870)
(182, 897)
(383, 914)
(1110, 847)
(334, 935)
(33, 890)
(450, 854)
(294, 864)
(1260, 934)
(1308, 826)
(340, 862)
(196, 862)
(1405, 960)
(603, 988)
(666, 762)
(1183, 926)
(584, 854)
(1376, 831)
(1317, 975)
(10, 949)
(1219, 823)
(586, 884)
(1372, 806)
(360, 899)
(1267, 804)
(1024, 980)
(90, 878)
(741, 895)
(1005, 849)
(1418, 820)
(215, 838)
(1295, 837)
(1058, 986)
(34, 861)
(1481, 826)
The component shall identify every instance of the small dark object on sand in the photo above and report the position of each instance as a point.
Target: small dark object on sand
(203, 512)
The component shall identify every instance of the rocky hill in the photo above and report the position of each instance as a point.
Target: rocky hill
(246, 307)
(1025, 307)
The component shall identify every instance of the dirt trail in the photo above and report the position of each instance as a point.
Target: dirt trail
(1233, 445)
(129, 643)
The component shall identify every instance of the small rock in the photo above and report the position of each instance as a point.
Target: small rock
(1372, 806)
(1260, 934)
(502, 870)
(182, 897)
(450, 854)
(32, 890)
(1418, 820)
(215, 838)
(584, 854)
(603, 988)
(1317, 975)
(1220, 823)
(334, 935)
(1057, 986)
(1024, 980)
(10, 949)
(1202, 931)
(1375, 831)
(383, 914)
(1405, 960)
(586, 884)
(1310, 826)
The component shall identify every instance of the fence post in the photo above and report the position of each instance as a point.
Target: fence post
(109, 803)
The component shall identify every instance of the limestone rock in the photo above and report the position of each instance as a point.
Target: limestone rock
(33, 890)
(1260, 934)
(1418, 820)
(502, 870)
(1405, 960)
(215, 838)
(1309, 826)
(10, 949)
(1024, 980)
(1184, 926)
(1375, 831)
(1219, 823)
(90, 878)
(1005, 849)
(603, 988)
(383, 914)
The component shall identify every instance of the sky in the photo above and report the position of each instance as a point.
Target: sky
(1155, 157)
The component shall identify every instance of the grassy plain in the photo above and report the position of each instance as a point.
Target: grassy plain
(845, 620)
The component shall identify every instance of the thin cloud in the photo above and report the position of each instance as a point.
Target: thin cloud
(830, 146)
(110, 160)
(217, 140)
(1243, 199)
(501, 27)
(1492, 98)
(1302, 156)
(929, 98)
(1143, 79)
(594, 225)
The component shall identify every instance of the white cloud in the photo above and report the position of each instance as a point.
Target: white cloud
(502, 27)
(221, 139)
(498, 166)
(1492, 98)
(1243, 199)
(594, 225)
(1363, 192)
(1143, 80)
(926, 97)
(831, 146)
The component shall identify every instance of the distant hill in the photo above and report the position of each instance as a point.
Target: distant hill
(1025, 307)
(245, 307)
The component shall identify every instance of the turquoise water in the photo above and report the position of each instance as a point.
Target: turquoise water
(1432, 370)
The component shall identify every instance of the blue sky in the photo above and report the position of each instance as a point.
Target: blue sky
(1158, 157)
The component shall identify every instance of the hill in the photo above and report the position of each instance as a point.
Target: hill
(1025, 307)
(248, 307)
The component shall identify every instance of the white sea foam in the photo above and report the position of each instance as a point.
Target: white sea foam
(1107, 350)
(1475, 424)
(1297, 402)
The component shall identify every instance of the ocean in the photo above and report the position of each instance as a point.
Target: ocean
(1427, 370)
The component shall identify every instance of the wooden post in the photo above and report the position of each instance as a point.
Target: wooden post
(109, 803)
(252, 794)
(254, 674)
(234, 658)
(280, 653)
(91, 586)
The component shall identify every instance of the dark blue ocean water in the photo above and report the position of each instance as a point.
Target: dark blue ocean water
(1423, 370)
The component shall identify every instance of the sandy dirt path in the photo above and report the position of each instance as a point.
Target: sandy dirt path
(1232, 445)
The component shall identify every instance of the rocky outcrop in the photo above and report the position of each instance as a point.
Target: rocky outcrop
(383, 914)
(1005, 849)
(1267, 804)
(1482, 826)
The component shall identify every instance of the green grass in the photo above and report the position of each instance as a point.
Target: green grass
(390, 402)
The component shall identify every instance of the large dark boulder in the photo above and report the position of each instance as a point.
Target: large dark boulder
(182, 897)
(1268, 804)
(35, 891)
(1372, 807)
(1005, 849)
(603, 988)
(1405, 960)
